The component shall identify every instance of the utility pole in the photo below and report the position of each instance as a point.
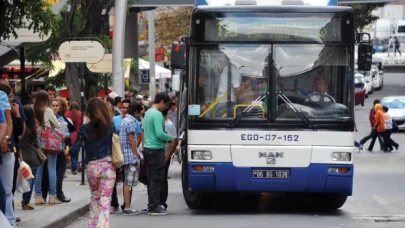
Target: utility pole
(151, 32)
(120, 13)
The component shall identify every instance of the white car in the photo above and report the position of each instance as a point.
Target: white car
(396, 108)
(368, 86)
(377, 77)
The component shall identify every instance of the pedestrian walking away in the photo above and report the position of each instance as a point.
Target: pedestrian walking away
(155, 139)
(97, 137)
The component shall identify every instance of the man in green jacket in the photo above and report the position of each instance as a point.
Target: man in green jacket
(154, 153)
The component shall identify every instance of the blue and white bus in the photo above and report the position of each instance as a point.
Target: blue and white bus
(268, 103)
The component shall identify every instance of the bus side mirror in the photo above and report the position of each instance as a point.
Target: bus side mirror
(364, 57)
(177, 57)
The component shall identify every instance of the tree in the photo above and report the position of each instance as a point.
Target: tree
(170, 24)
(363, 15)
(78, 18)
(32, 14)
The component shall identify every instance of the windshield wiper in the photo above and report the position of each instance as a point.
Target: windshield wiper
(299, 113)
(246, 110)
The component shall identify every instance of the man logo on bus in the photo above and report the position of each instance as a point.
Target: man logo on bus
(271, 156)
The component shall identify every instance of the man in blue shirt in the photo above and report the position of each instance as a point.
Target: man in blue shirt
(117, 119)
(128, 137)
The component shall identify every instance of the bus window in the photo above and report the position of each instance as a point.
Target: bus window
(234, 80)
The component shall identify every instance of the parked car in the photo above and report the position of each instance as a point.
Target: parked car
(359, 91)
(380, 45)
(396, 108)
(376, 77)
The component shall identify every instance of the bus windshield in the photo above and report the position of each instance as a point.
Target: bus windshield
(311, 67)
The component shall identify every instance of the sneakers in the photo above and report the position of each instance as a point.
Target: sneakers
(53, 200)
(144, 211)
(130, 211)
(158, 211)
(39, 200)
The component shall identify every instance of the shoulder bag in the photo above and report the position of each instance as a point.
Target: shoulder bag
(50, 139)
(117, 156)
(36, 158)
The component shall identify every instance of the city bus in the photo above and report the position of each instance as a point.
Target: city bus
(267, 100)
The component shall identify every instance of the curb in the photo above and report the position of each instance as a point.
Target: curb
(69, 218)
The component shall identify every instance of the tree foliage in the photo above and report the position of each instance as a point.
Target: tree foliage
(170, 24)
(363, 15)
(78, 19)
(32, 14)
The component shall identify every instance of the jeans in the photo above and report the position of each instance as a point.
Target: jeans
(7, 175)
(3, 197)
(60, 175)
(74, 163)
(51, 166)
(101, 177)
(155, 173)
(373, 136)
(397, 50)
(26, 197)
(389, 143)
(165, 189)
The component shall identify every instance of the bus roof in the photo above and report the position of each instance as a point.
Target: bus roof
(263, 2)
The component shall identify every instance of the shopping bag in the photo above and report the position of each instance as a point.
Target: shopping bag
(4, 223)
(22, 185)
(26, 171)
(117, 156)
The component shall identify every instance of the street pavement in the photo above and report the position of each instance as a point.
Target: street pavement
(377, 201)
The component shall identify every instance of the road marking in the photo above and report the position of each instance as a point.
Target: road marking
(380, 200)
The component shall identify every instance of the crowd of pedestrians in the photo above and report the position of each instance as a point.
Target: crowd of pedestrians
(382, 127)
(20, 143)
(147, 133)
(147, 136)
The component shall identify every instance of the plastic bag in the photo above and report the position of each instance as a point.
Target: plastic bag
(4, 223)
(22, 185)
(26, 171)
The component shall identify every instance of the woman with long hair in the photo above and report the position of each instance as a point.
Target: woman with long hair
(97, 135)
(28, 143)
(45, 117)
(76, 116)
(57, 108)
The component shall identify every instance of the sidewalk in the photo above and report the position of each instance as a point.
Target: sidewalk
(59, 216)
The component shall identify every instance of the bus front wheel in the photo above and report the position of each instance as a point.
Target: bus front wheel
(329, 200)
(194, 200)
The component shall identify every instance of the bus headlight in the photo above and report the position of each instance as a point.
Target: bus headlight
(201, 155)
(341, 156)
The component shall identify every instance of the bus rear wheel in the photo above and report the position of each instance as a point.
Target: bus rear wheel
(329, 200)
(194, 200)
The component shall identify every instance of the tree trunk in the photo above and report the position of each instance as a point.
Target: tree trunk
(72, 80)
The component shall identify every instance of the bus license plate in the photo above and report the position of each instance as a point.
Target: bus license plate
(277, 174)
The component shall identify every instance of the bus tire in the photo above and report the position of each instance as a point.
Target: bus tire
(329, 200)
(194, 200)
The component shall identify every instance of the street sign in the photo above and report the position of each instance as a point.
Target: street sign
(87, 51)
(145, 79)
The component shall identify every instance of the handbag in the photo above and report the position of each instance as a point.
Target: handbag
(50, 139)
(31, 161)
(117, 156)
